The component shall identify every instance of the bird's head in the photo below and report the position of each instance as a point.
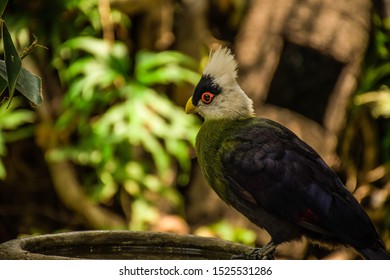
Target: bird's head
(218, 95)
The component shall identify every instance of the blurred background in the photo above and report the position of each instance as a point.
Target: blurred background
(111, 146)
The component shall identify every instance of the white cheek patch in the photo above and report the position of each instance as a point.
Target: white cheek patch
(231, 104)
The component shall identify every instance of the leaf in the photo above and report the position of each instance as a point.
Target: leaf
(28, 84)
(3, 4)
(11, 119)
(149, 60)
(3, 85)
(2, 171)
(378, 102)
(17, 118)
(164, 68)
(143, 214)
(12, 61)
(96, 47)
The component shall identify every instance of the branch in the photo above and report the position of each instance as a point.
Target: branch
(71, 194)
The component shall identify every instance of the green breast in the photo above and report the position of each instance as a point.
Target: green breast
(208, 142)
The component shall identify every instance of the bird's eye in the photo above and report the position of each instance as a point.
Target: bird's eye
(207, 97)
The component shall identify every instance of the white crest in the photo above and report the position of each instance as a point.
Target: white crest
(221, 66)
(232, 102)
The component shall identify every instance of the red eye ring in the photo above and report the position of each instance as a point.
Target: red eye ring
(207, 97)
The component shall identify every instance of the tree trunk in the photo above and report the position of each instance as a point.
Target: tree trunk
(303, 58)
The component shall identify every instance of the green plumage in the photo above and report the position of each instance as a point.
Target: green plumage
(216, 140)
(208, 142)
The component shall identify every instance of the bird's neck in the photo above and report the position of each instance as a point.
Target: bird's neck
(210, 133)
(207, 145)
(240, 106)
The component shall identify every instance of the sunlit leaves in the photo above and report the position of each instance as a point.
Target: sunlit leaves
(10, 119)
(143, 214)
(226, 231)
(378, 101)
(373, 91)
(164, 67)
(104, 65)
(376, 71)
(133, 136)
(98, 48)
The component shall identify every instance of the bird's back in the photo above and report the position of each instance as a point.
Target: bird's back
(280, 183)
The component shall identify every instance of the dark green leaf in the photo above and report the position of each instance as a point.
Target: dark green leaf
(12, 61)
(28, 84)
(3, 4)
(3, 85)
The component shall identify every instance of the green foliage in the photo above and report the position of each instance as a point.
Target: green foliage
(10, 121)
(11, 69)
(374, 90)
(226, 231)
(3, 4)
(129, 141)
(135, 139)
(13, 76)
(27, 83)
(378, 101)
(164, 68)
(376, 70)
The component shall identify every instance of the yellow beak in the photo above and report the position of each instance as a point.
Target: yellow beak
(190, 108)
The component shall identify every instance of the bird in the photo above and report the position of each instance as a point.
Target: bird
(268, 174)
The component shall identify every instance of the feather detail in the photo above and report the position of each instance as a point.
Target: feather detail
(222, 66)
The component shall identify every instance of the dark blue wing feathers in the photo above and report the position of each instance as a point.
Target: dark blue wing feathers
(289, 179)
